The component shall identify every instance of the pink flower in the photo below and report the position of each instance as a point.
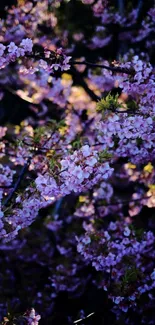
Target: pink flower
(55, 66)
(32, 318)
(77, 171)
(12, 48)
(59, 51)
(86, 150)
(2, 131)
(43, 64)
(27, 44)
(65, 66)
(91, 161)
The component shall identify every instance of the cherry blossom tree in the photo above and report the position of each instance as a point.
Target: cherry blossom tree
(77, 153)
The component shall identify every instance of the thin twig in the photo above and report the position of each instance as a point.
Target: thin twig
(82, 319)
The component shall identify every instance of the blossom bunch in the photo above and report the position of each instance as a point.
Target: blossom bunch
(78, 172)
(128, 135)
(119, 254)
(12, 52)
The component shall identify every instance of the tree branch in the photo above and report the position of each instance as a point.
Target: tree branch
(96, 65)
(16, 186)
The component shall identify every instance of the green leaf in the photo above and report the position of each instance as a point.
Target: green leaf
(108, 103)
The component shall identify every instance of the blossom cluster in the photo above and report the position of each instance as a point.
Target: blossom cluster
(79, 171)
(12, 52)
(127, 136)
(119, 253)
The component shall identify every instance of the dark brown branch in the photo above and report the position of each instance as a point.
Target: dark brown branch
(89, 64)
(16, 186)
(96, 65)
